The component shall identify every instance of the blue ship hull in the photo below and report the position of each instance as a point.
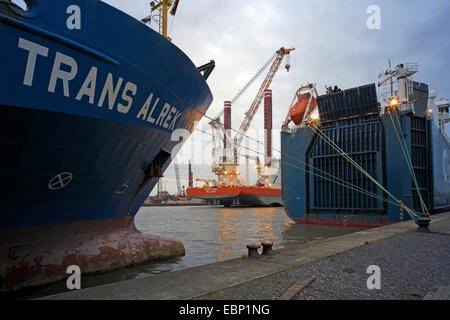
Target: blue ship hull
(90, 119)
(352, 120)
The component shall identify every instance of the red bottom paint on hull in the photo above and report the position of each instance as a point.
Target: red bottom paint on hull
(29, 259)
(342, 222)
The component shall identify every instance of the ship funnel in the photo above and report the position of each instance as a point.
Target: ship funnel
(268, 126)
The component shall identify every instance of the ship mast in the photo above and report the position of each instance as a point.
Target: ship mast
(159, 14)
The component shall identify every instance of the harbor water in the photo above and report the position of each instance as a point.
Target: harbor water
(209, 234)
(214, 234)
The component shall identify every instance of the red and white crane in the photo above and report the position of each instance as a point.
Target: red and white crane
(223, 166)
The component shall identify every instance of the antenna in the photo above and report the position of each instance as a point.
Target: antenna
(392, 83)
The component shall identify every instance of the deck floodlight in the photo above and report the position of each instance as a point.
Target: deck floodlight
(393, 102)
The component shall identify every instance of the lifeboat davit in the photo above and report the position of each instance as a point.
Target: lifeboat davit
(297, 112)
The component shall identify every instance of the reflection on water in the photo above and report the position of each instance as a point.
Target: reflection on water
(209, 234)
(238, 227)
(212, 234)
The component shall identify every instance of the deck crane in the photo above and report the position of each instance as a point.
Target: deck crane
(219, 132)
(222, 167)
(257, 101)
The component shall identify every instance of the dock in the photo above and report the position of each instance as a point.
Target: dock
(174, 204)
(413, 263)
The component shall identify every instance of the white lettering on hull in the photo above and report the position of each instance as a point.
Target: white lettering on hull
(34, 50)
(88, 87)
(58, 73)
(120, 97)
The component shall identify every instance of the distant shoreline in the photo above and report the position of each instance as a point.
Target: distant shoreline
(175, 204)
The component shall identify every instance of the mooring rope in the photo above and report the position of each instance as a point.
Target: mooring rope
(297, 160)
(405, 151)
(397, 202)
(414, 215)
(346, 185)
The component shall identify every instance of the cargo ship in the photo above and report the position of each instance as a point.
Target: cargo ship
(266, 192)
(348, 159)
(90, 98)
(230, 188)
(238, 196)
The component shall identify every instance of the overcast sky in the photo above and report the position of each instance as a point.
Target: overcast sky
(332, 41)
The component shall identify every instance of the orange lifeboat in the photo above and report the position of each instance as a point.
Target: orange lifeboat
(297, 112)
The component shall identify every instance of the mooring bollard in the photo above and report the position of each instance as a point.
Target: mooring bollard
(267, 248)
(253, 250)
(423, 223)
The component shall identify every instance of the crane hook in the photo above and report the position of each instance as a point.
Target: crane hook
(288, 62)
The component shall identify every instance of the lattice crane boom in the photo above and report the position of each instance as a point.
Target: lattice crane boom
(249, 115)
(224, 169)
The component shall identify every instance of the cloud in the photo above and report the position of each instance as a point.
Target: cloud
(333, 46)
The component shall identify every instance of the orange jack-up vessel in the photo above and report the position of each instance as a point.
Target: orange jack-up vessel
(230, 188)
